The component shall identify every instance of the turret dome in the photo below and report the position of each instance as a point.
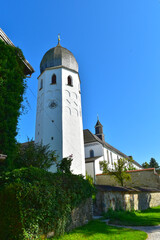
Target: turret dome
(58, 56)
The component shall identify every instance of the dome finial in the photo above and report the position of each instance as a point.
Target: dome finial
(59, 39)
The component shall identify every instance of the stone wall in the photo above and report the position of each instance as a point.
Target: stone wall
(81, 215)
(126, 199)
(139, 178)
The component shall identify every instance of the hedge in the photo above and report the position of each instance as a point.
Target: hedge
(34, 202)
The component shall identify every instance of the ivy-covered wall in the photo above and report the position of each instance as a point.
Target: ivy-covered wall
(36, 202)
(12, 87)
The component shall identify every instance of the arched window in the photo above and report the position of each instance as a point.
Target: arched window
(97, 130)
(111, 158)
(108, 157)
(41, 85)
(53, 79)
(69, 81)
(91, 153)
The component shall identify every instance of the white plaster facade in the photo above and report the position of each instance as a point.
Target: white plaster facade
(100, 152)
(59, 116)
(61, 126)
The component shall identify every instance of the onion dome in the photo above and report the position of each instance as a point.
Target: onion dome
(58, 56)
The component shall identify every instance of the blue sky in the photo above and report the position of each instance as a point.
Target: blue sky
(117, 46)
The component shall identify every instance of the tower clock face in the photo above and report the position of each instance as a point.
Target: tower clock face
(53, 104)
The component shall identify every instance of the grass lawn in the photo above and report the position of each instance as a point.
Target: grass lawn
(96, 230)
(148, 217)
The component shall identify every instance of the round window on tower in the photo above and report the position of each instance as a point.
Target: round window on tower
(69, 81)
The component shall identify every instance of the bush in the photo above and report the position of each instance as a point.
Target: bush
(33, 154)
(36, 202)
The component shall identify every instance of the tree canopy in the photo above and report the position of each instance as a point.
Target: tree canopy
(33, 154)
(152, 164)
(120, 168)
(12, 87)
(145, 165)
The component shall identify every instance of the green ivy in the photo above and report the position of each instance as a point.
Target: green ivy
(36, 202)
(12, 87)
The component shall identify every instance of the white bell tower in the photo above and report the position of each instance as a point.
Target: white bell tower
(59, 113)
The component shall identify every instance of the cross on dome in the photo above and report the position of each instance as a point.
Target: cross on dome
(59, 39)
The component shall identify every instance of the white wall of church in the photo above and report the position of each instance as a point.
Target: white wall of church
(110, 157)
(97, 165)
(72, 128)
(90, 169)
(61, 127)
(96, 147)
(49, 120)
(104, 154)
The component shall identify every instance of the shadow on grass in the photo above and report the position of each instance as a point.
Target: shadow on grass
(152, 210)
(99, 230)
(149, 217)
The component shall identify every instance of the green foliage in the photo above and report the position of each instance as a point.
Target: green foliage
(10, 219)
(36, 202)
(130, 167)
(12, 87)
(148, 217)
(89, 178)
(104, 166)
(64, 165)
(145, 165)
(34, 155)
(120, 168)
(97, 230)
(153, 163)
(119, 172)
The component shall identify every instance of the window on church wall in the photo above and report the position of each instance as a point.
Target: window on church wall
(100, 166)
(69, 81)
(108, 157)
(53, 79)
(41, 84)
(111, 158)
(91, 153)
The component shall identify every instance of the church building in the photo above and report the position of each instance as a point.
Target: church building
(59, 116)
(97, 150)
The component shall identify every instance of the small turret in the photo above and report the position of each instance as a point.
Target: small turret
(99, 130)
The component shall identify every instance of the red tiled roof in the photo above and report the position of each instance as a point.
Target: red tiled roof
(138, 170)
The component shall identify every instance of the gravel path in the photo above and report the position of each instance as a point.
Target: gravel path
(152, 231)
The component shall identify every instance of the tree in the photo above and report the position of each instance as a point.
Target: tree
(89, 178)
(12, 88)
(104, 166)
(119, 171)
(64, 165)
(153, 163)
(145, 165)
(35, 155)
